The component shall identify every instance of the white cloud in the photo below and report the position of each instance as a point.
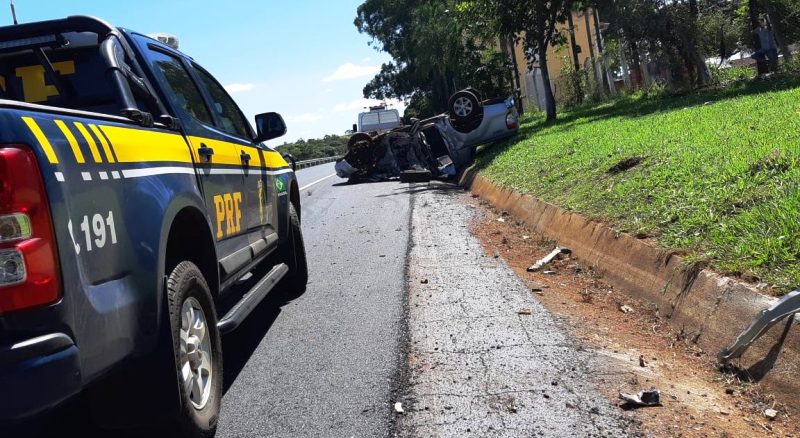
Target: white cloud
(359, 105)
(352, 71)
(305, 117)
(239, 88)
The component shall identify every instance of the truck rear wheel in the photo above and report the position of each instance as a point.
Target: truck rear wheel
(197, 351)
(293, 253)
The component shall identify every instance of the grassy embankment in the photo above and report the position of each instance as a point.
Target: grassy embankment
(719, 175)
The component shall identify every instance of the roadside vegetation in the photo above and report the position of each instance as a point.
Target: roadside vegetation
(714, 174)
(328, 146)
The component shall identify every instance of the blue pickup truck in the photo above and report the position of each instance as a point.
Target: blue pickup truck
(133, 195)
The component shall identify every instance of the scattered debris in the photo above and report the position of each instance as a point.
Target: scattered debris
(771, 414)
(475, 196)
(524, 312)
(647, 398)
(424, 281)
(549, 272)
(626, 309)
(526, 237)
(412, 176)
(549, 258)
(500, 219)
(642, 363)
(786, 306)
(398, 407)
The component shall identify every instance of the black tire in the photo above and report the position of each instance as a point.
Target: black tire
(186, 285)
(293, 253)
(475, 92)
(357, 138)
(463, 106)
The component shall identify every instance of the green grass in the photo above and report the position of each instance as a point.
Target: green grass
(719, 176)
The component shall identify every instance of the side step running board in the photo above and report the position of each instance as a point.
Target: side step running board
(251, 299)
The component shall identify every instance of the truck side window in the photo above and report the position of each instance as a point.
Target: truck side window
(224, 107)
(183, 92)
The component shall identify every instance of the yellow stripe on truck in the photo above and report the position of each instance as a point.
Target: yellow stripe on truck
(73, 142)
(43, 141)
(90, 141)
(274, 160)
(103, 142)
(139, 145)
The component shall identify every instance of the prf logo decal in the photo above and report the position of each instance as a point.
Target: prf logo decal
(229, 212)
(280, 186)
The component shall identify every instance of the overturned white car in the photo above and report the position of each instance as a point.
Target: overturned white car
(432, 148)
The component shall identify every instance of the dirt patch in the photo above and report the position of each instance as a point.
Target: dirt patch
(626, 164)
(635, 344)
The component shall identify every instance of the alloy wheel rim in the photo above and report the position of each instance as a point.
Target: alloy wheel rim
(462, 107)
(197, 369)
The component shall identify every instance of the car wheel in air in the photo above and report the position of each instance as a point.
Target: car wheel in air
(464, 105)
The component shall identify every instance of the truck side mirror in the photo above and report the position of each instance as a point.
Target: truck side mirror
(269, 126)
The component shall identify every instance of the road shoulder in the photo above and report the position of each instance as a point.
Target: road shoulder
(485, 358)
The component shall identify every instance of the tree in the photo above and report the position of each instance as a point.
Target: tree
(434, 52)
(531, 21)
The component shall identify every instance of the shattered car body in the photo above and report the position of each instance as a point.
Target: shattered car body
(437, 146)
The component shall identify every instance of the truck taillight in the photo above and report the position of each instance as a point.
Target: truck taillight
(29, 275)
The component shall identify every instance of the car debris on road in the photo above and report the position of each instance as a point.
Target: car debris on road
(647, 398)
(544, 261)
(437, 147)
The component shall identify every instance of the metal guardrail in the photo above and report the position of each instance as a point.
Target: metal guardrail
(315, 162)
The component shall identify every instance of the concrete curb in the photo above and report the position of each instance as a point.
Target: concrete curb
(709, 309)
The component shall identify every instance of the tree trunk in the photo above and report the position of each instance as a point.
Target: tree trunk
(549, 99)
(699, 61)
(604, 64)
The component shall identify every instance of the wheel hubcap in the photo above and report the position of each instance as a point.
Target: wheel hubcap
(196, 366)
(462, 107)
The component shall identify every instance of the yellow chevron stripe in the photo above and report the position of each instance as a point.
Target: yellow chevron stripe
(90, 141)
(73, 142)
(103, 142)
(46, 146)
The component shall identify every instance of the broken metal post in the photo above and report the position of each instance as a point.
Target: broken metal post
(786, 306)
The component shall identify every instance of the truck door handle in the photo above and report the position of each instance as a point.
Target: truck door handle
(205, 151)
(245, 158)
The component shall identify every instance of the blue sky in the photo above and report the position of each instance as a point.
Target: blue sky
(302, 58)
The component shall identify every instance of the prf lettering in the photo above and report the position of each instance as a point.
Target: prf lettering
(229, 212)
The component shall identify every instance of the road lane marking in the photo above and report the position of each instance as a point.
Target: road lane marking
(317, 181)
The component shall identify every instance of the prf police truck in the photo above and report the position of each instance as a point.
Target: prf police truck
(133, 195)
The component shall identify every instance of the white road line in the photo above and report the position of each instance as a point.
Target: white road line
(103, 176)
(59, 177)
(86, 176)
(115, 174)
(317, 182)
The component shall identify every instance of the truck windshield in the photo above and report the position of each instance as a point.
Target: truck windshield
(72, 76)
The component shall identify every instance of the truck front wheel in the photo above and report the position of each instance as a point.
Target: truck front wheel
(197, 351)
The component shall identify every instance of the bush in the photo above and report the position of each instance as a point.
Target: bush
(724, 76)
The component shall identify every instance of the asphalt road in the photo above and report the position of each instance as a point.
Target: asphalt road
(325, 364)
